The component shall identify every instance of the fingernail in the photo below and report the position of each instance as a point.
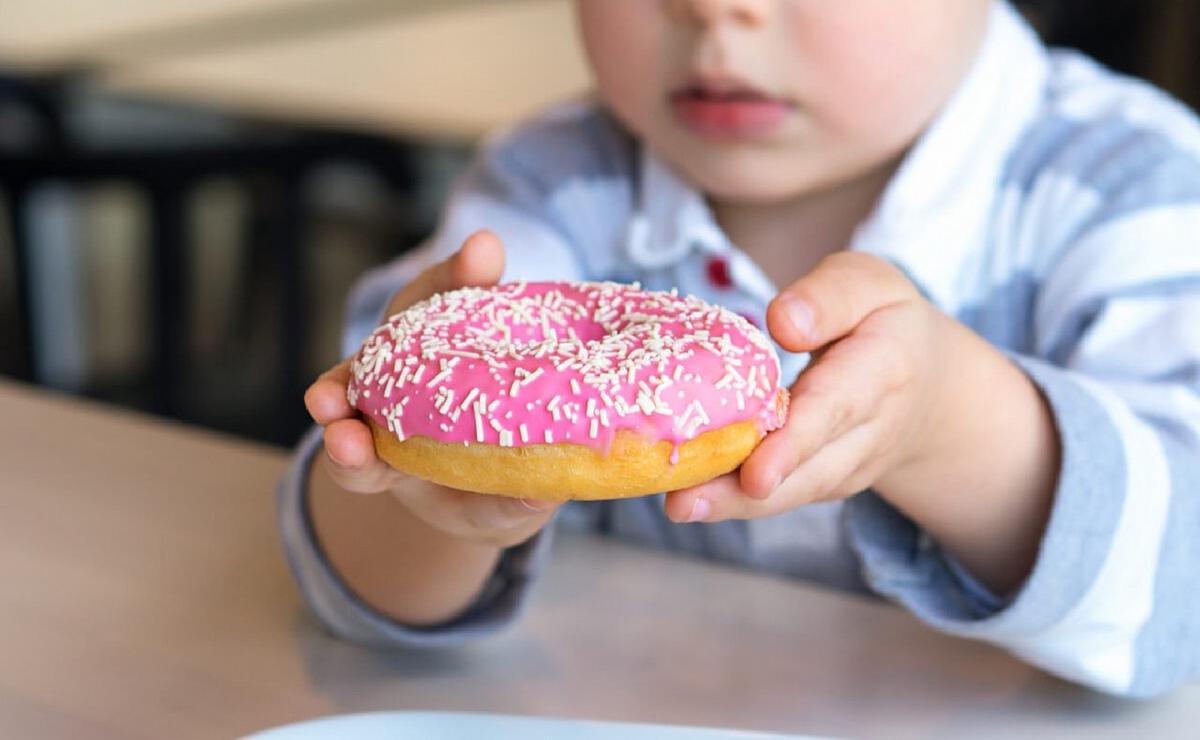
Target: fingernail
(701, 508)
(535, 505)
(799, 313)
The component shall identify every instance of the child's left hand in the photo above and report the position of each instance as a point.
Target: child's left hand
(863, 408)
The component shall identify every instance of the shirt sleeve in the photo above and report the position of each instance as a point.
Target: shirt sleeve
(1112, 600)
(498, 193)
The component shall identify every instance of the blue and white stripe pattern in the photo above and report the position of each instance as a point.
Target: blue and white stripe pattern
(1054, 208)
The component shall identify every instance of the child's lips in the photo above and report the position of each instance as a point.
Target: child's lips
(729, 113)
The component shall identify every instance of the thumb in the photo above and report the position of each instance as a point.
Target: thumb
(479, 261)
(827, 303)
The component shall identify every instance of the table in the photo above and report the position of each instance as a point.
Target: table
(453, 74)
(146, 596)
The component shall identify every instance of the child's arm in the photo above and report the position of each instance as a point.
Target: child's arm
(421, 554)
(1066, 491)
(911, 403)
(383, 572)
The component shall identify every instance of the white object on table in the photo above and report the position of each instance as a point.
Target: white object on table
(466, 726)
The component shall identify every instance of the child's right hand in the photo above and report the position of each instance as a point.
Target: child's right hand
(349, 457)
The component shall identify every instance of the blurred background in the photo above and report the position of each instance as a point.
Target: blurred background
(188, 189)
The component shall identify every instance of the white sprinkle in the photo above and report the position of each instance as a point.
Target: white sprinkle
(741, 401)
(604, 417)
(592, 430)
(549, 437)
(470, 397)
(495, 425)
(387, 389)
(445, 373)
(681, 421)
(575, 387)
(416, 378)
(478, 425)
(591, 407)
(524, 434)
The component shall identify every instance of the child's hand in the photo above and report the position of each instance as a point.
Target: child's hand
(858, 413)
(350, 457)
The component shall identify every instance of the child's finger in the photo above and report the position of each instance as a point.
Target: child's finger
(502, 513)
(831, 472)
(480, 261)
(497, 520)
(351, 459)
(827, 303)
(326, 399)
(839, 392)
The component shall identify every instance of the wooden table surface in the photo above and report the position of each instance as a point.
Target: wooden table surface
(146, 596)
(456, 73)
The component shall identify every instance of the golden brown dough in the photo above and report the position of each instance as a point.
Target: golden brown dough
(633, 466)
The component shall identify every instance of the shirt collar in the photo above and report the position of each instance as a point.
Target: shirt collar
(672, 218)
(934, 211)
(934, 214)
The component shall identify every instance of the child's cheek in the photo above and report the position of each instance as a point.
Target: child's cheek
(869, 67)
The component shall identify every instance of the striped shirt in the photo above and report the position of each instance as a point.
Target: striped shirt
(1054, 208)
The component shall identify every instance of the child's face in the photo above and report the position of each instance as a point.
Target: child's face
(761, 101)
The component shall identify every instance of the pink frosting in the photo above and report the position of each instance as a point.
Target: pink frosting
(554, 362)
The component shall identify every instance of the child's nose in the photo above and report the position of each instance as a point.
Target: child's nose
(710, 12)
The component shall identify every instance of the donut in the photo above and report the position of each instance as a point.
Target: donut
(566, 390)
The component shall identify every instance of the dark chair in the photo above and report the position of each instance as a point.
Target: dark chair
(272, 161)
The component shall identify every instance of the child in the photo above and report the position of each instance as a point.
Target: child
(993, 246)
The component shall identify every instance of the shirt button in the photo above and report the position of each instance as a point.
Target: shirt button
(718, 272)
